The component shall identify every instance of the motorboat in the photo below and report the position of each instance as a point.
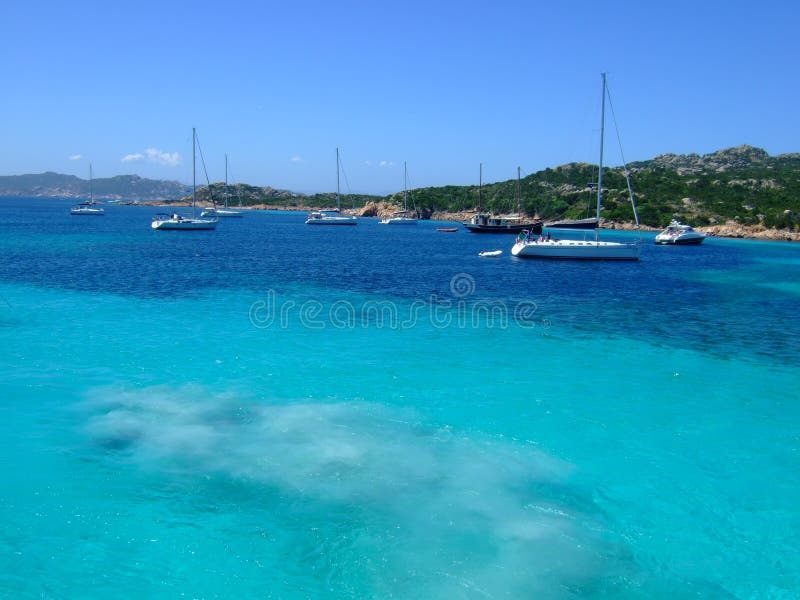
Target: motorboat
(680, 235)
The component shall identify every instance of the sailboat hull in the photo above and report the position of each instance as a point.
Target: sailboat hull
(221, 212)
(332, 221)
(398, 221)
(590, 223)
(87, 212)
(508, 228)
(576, 250)
(184, 224)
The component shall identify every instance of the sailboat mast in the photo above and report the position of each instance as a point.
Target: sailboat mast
(226, 181)
(337, 178)
(405, 187)
(194, 182)
(91, 192)
(519, 191)
(480, 187)
(600, 170)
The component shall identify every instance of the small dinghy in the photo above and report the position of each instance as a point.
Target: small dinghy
(447, 229)
(488, 253)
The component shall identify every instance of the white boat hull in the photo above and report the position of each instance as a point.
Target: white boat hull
(682, 240)
(184, 224)
(398, 221)
(576, 249)
(332, 221)
(221, 212)
(678, 234)
(94, 212)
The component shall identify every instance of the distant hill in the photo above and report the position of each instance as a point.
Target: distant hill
(742, 184)
(127, 187)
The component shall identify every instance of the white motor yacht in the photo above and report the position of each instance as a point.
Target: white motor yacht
(680, 235)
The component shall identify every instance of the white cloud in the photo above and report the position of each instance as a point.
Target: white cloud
(154, 155)
(296, 159)
(386, 163)
(170, 159)
(75, 157)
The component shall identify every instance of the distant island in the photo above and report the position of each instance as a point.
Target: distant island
(742, 192)
(121, 187)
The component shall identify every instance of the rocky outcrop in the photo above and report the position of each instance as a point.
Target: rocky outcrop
(378, 209)
(732, 229)
(719, 161)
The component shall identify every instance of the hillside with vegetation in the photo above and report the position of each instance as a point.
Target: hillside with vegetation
(742, 185)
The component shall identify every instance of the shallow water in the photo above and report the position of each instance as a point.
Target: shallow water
(276, 410)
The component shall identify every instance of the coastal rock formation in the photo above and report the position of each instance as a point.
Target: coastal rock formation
(719, 161)
(732, 229)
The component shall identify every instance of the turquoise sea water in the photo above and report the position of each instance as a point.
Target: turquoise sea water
(272, 410)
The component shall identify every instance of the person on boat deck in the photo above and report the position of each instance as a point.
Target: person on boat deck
(548, 236)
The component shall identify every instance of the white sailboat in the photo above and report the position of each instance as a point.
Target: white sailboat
(531, 245)
(332, 216)
(90, 208)
(176, 221)
(223, 211)
(401, 217)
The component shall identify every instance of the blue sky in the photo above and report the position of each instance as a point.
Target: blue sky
(444, 86)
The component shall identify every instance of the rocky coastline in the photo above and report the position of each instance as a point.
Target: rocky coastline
(729, 229)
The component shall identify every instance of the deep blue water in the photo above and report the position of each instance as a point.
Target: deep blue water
(276, 410)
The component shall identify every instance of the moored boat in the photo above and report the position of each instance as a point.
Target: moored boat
(223, 211)
(332, 216)
(175, 221)
(402, 217)
(589, 223)
(489, 223)
(679, 234)
(89, 208)
(530, 244)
